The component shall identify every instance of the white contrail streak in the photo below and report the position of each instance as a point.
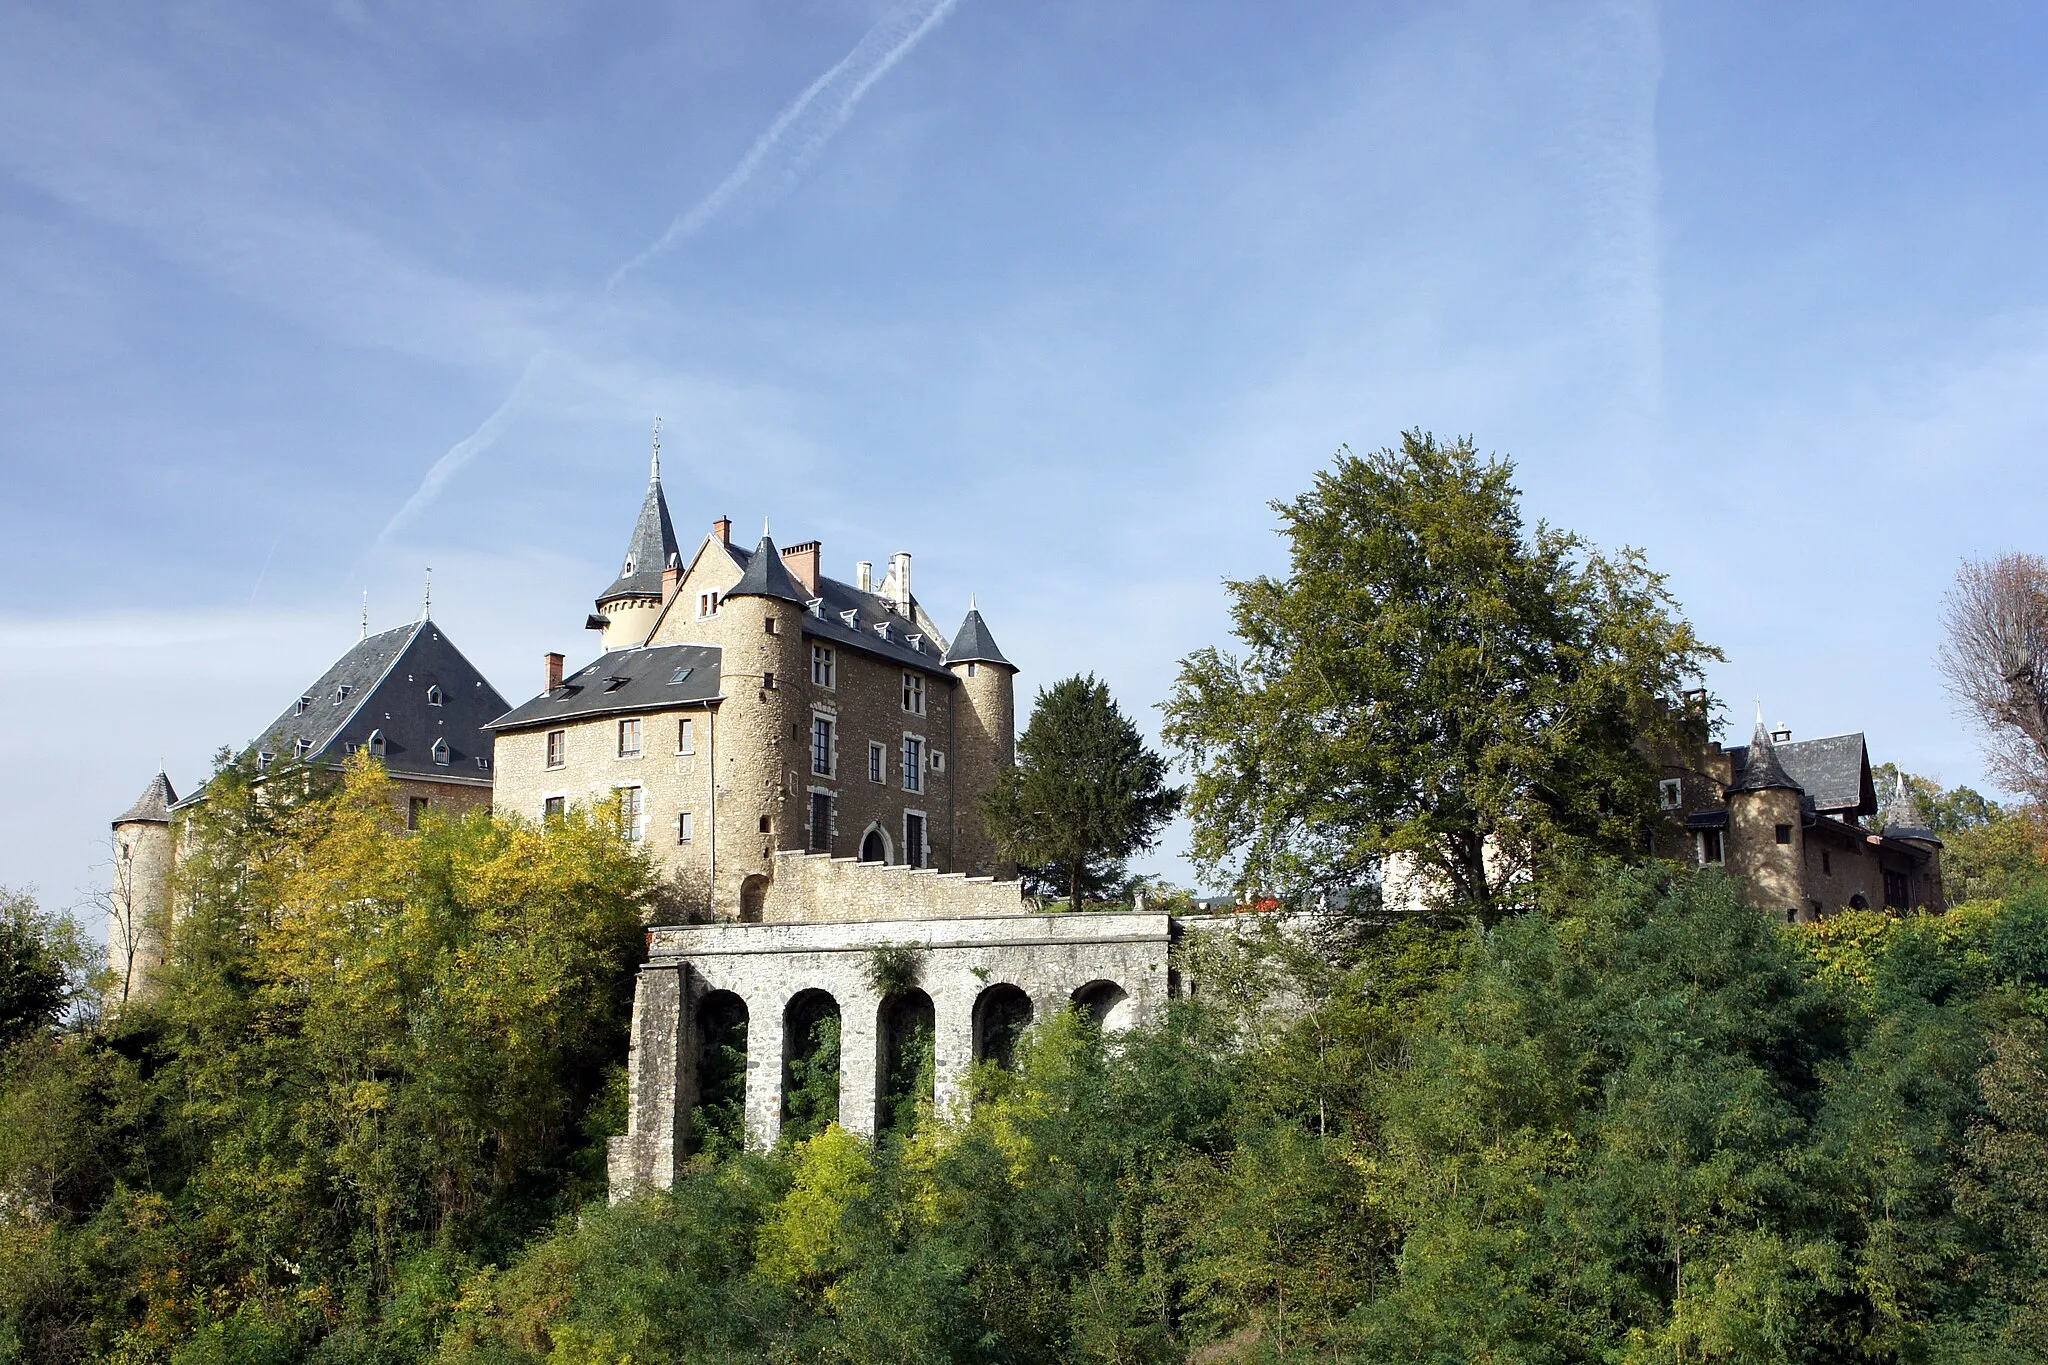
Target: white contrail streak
(841, 87)
(828, 102)
(464, 450)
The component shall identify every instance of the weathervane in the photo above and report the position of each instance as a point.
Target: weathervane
(657, 447)
(427, 605)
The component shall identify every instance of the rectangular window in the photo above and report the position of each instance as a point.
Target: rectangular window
(913, 839)
(767, 682)
(768, 624)
(913, 693)
(686, 827)
(686, 736)
(1670, 793)
(821, 746)
(707, 605)
(554, 808)
(913, 764)
(632, 814)
(558, 748)
(1710, 847)
(1895, 892)
(821, 822)
(878, 763)
(414, 809)
(1827, 864)
(629, 738)
(821, 665)
(1784, 834)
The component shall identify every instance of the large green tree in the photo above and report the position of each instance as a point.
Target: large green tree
(1085, 794)
(1431, 680)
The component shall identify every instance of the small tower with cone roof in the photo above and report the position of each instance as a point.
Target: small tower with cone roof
(984, 735)
(1767, 845)
(628, 609)
(139, 906)
(1906, 822)
(762, 621)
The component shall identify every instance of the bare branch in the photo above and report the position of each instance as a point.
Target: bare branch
(1995, 658)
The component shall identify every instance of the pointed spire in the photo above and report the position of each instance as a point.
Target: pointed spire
(767, 577)
(1761, 770)
(363, 633)
(153, 807)
(973, 643)
(1903, 816)
(654, 475)
(427, 601)
(652, 542)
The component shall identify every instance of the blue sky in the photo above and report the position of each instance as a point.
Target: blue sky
(1055, 296)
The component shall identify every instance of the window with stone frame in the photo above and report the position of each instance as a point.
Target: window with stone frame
(1710, 847)
(821, 665)
(821, 746)
(913, 763)
(632, 814)
(878, 762)
(913, 838)
(913, 693)
(558, 748)
(415, 807)
(821, 822)
(629, 737)
(686, 735)
(686, 827)
(554, 808)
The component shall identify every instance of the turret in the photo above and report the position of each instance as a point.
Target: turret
(1766, 844)
(1906, 823)
(628, 609)
(764, 661)
(984, 739)
(139, 906)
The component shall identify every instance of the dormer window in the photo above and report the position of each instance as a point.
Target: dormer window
(376, 744)
(305, 705)
(852, 618)
(627, 572)
(263, 761)
(302, 747)
(341, 693)
(916, 642)
(816, 607)
(882, 629)
(483, 763)
(434, 696)
(441, 752)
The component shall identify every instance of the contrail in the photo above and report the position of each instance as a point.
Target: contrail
(464, 450)
(879, 49)
(841, 87)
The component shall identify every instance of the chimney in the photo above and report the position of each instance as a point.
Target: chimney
(1781, 735)
(864, 576)
(899, 579)
(802, 563)
(722, 528)
(554, 671)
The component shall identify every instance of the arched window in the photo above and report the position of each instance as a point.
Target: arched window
(376, 744)
(434, 695)
(441, 752)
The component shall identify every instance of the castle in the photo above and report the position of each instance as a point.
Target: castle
(803, 758)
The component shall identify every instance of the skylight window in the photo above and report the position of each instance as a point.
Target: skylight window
(679, 676)
(614, 683)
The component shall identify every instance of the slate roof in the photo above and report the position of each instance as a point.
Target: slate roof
(387, 678)
(974, 644)
(1905, 819)
(829, 624)
(624, 681)
(1833, 772)
(766, 576)
(648, 552)
(1759, 769)
(153, 807)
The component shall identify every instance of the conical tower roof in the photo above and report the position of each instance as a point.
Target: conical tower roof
(153, 807)
(1904, 818)
(973, 644)
(1761, 770)
(649, 551)
(767, 577)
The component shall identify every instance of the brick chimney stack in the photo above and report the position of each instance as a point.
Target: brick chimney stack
(722, 528)
(802, 563)
(671, 579)
(554, 671)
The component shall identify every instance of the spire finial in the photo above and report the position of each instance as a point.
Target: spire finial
(364, 632)
(656, 470)
(970, 603)
(427, 603)
(764, 528)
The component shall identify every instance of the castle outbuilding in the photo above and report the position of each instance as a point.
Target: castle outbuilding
(747, 707)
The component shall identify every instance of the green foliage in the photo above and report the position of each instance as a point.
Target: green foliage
(44, 962)
(811, 1077)
(1989, 851)
(1085, 793)
(893, 968)
(1430, 680)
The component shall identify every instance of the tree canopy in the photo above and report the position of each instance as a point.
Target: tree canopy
(1085, 795)
(1430, 681)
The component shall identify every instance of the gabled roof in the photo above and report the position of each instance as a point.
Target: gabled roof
(385, 686)
(1833, 772)
(974, 644)
(1758, 768)
(153, 807)
(648, 552)
(829, 622)
(651, 678)
(765, 576)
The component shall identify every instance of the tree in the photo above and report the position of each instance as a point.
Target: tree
(42, 966)
(1086, 793)
(1995, 657)
(1431, 682)
(1988, 851)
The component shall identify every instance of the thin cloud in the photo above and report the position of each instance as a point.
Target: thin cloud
(810, 121)
(465, 450)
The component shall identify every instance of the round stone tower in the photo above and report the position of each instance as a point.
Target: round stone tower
(984, 740)
(139, 906)
(1766, 835)
(763, 728)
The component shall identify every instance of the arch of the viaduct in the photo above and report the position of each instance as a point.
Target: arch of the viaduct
(980, 982)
